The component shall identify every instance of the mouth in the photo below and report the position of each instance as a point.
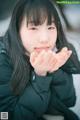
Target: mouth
(39, 49)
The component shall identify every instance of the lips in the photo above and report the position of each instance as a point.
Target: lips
(39, 49)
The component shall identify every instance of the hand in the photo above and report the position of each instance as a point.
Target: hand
(48, 61)
(61, 58)
(40, 60)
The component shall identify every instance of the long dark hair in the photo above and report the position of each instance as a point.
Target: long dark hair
(36, 11)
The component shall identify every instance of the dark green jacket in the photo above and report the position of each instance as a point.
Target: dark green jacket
(52, 94)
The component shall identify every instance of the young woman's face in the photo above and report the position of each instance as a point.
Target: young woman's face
(40, 37)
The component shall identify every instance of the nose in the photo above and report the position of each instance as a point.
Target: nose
(44, 37)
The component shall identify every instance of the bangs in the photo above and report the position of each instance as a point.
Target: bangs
(37, 11)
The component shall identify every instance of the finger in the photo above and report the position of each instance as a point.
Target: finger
(67, 55)
(33, 56)
(54, 67)
(49, 56)
(64, 53)
(40, 58)
(53, 63)
(62, 59)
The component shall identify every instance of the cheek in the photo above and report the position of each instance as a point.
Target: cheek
(55, 33)
(25, 42)
(28, 44)
(54, 37)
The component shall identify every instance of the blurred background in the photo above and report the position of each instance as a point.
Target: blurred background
(70, 18)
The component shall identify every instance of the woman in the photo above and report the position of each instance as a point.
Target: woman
(35, 66)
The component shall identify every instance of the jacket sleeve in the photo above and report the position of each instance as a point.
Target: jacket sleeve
(8, 101)
(72, 66)
(28, 106)
(62, 87)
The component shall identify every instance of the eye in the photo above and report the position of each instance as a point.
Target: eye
(33, 28)
(51, 28)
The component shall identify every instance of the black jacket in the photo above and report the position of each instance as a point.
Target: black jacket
(52, 94)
